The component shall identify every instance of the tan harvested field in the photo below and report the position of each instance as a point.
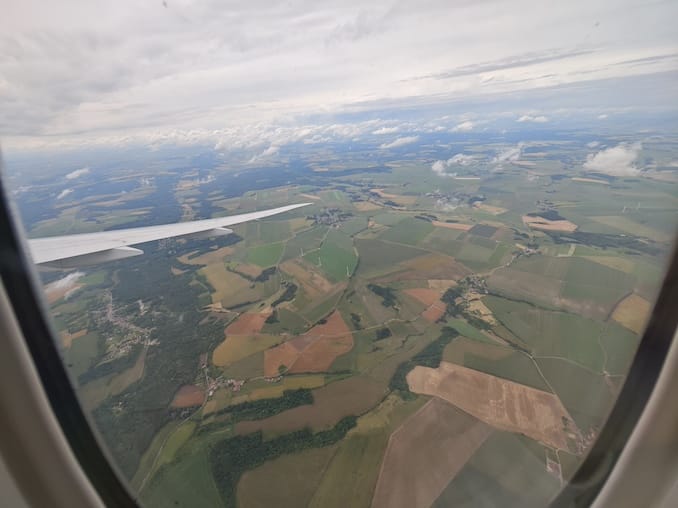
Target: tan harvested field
(424, 295)
(549, 225)
(68, 338)
(312, 281)
(176, 271)
(503, 404)
(433, 266)
(632, 313)
(312, 352)
(288, 383)
(589, 180)
(621, 264)
(237, 347)
(351, 396)
(248, 323)
(477, 307)
(425, 453)
(441, 284)
(366, 206)
(250, 270)
(310, 196)
(188, 396)
(396, 198)
(452, 225)
(494, 210)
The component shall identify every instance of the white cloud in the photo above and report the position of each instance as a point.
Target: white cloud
(602, 117)
(386, 130)
(64, 193)
(405, 140)
(77, 173)
(534, 119)
(462, 160)
(463, 126)
(593, 144)
(80, 71)
(439, 167)
(269, 152)
(510, 154)
(616, 161)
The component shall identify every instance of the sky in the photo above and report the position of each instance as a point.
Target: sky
(264, 73)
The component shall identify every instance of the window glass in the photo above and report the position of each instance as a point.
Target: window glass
(491, 198)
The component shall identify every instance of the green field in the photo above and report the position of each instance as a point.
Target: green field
(548, 333)
(265, 255)
(304, 242)
(585, 394)
(507, 470)
(82, 353)
(377, 256)
(516, 367)
(409, 231)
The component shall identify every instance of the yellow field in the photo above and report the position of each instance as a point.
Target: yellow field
(237, 347)
(213, 256)
(494, 210)
(68, 338)
(621, 264)
(632, 313)
(500, 403)
(366, 206)
(288, 383)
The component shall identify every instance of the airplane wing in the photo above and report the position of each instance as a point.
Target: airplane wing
(91, 248)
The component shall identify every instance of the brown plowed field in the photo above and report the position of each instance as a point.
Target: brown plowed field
(503, 404)
(425, 453)
(249, 323)
(351, 396)
(188, 396)
(430, 297)
(312, 352)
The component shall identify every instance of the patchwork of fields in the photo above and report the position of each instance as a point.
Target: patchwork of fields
(313, 339)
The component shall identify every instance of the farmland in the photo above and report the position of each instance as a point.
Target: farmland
(407, 339)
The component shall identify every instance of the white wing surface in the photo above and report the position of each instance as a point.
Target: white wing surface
(92, 248)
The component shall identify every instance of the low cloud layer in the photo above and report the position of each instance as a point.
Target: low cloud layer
(405, 140)
(618, 160)
(510, 154)
(533, 119)
(77, 173)
(64, 193)
(441, 167)
(464, 126)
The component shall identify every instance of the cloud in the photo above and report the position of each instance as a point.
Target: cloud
(616, 161)
(124, 72)
(77, 173)
(386, 130)
(593, 144)
(269, 152)
(463, 126)
(461, 160)
(405, 140)
(602, 117)
(440, 167)
(534, 119)
(510, 154)
(64, 193)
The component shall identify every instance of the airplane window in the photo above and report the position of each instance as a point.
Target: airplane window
(388, 255)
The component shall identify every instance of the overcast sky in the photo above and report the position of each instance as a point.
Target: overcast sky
(118, 71)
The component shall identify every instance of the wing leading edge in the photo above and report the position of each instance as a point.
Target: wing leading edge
(92, 248)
